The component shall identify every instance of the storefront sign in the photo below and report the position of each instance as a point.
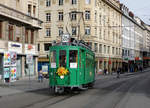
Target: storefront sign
(30, 49)
(6, 73)
(13, 74)
(29, 59)
(7, 59)
(15, 47)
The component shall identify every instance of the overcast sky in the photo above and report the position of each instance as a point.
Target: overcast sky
(140, 8)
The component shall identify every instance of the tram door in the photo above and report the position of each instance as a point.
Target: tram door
(82, 70)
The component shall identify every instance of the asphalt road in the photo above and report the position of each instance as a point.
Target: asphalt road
(130, 91)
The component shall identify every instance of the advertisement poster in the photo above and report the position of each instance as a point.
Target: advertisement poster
(6, 73)
(29, 59)
(7, 59)
(45, 69)
(13, 57)
(13, 74)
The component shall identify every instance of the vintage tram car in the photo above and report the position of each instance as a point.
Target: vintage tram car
(72, 65)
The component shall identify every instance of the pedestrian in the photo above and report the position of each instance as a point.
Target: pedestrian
(105, 71)
(118, 72)
(40, 76)
(141, 69)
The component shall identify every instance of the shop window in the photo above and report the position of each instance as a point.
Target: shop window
(62, 58)
(11, 31)
(73, 58)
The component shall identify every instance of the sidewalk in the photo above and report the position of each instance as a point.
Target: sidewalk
(101, 76)
(21, 86)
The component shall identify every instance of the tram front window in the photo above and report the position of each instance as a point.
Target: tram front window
(73, 58)
(62, 58)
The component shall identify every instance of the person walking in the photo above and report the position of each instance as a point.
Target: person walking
(40, 77)
(118, 72)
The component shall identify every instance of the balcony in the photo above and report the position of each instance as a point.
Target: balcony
(19, 16)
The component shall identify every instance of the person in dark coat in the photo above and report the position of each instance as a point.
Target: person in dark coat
(118, 72)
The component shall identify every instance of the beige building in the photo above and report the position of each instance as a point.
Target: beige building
(19, 25)
(98, 23)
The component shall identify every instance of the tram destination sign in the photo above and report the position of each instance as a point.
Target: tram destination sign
(65, 38)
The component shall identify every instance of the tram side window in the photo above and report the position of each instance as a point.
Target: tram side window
(53, 59)
(62, 58)
(73, 58)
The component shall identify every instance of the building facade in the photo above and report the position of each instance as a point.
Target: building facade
(95, 22)
(19, 25)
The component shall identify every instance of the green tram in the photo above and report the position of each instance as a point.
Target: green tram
(71, 66)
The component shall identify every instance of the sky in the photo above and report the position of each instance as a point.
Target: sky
(140, 8)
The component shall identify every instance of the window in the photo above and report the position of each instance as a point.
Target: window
(46, 46)
(11, 32)
(116, 51)
(95, 31)
(60, 15)
(26, 36)
(95, 47)
(74, 1)
(100, 48)
(38, 47)
(32, 37)
(73, 58)
(73, 16)
(34, 11)
(48, 32)
(53, 56)
(62, 58)
(87, 31)
(18, 33)
(61, 2)
(74, 30)
(48, 17)
(29, 10)
(87, 1)
(87, 15)
(60, 29)
(95, 16)
(48, 3)
(108, 50)
(0, 29)
(113, 50)
(104, 49)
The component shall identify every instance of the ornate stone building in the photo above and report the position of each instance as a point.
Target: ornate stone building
(98, 22)
(19, 25)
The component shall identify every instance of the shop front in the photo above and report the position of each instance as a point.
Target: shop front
(30, 69)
